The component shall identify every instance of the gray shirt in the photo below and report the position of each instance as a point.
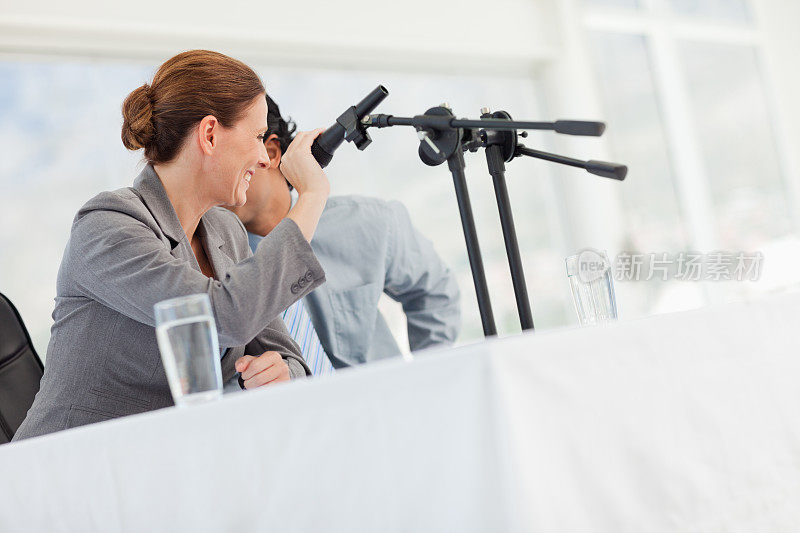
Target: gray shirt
(127, 251)
(368, 247)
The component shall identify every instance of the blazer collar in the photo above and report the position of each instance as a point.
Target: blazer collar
(155, 197)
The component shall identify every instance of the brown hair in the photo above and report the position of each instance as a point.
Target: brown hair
(186, 88)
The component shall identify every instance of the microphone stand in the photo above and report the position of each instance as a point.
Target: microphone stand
(502, 146)
(444, 144)
(444, 138)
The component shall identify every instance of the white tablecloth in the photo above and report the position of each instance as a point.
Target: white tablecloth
(683, 422)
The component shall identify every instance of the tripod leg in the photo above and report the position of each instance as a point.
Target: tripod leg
(497, 170)
(456, 164)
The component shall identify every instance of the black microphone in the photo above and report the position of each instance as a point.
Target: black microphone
(348, 126)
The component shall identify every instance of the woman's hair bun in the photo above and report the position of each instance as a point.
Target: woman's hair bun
(187, 87)
(137, 119)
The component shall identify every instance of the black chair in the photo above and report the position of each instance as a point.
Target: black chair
(20, 370)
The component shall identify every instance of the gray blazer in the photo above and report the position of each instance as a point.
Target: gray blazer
(127, 251)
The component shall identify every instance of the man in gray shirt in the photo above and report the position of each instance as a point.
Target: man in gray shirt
(367, 247)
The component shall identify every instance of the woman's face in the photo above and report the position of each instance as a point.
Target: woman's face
(268, 198)
(242, 151)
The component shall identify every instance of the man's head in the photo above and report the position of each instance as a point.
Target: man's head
(269, 196)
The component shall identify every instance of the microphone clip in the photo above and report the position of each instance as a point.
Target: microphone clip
(354, 131)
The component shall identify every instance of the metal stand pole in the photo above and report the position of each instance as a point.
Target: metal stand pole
(497, 170)
(456, 164)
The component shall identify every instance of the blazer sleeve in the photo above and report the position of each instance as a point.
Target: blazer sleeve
(116, 258)
(418, 279)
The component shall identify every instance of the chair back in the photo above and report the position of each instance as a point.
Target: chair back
(20, 370)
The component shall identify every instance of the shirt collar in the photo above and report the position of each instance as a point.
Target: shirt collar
(253, 240)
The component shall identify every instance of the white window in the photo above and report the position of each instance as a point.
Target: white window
(684, 88)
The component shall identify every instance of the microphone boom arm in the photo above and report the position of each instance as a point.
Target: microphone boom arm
(434, 125)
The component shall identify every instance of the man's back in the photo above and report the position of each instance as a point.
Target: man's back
(367, 247)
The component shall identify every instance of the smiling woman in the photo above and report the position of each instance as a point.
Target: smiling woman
(201, 123)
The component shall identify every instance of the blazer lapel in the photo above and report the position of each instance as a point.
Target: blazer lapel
(216, 248)
(216, 251)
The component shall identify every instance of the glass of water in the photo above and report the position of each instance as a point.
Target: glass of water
(590, 278)
(187, 339)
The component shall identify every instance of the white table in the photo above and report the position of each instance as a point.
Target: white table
(683, 422)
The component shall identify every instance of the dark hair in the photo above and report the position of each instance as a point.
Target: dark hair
(284, 129)
(186, 88)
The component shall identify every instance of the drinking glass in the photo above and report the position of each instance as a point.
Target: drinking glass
(590, 278)
(187, 339)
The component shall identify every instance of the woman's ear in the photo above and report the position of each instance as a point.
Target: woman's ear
(206, 132)
(273, 150)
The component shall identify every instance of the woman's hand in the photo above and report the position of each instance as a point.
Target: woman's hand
(301, 169)
(304, 173)
(264, 369)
